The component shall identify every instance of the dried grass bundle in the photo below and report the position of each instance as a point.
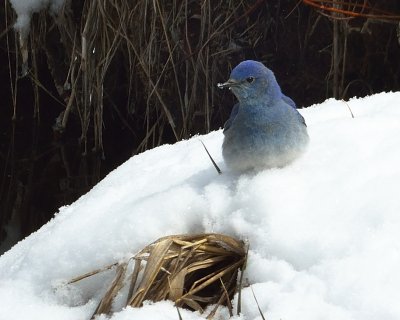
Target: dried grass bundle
(193, 271)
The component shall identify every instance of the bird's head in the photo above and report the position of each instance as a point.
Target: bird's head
(250, 81)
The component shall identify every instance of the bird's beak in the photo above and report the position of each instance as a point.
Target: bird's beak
(230, 83)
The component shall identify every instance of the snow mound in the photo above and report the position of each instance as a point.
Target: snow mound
(323, 232)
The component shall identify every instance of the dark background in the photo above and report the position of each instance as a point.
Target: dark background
(314, 54)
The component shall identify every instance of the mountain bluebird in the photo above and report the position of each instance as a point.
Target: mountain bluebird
(264, 129)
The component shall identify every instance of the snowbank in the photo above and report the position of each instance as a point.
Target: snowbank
(323, 232)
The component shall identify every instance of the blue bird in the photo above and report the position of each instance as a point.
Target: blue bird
(264, 129)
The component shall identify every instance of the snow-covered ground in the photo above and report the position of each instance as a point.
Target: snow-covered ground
(323, 232)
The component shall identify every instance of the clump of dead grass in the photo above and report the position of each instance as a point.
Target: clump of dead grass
(193, 271)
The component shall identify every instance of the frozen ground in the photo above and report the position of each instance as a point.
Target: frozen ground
(323, 232)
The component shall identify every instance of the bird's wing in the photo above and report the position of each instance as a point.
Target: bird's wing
(232, 117)
(289, 101)
(302, 119)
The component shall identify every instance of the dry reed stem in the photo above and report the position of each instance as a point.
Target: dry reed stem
(91, 273)
(118, 282)
(258, 306)
(153, 266)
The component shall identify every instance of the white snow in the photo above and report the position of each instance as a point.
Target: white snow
(323, 232)
(25, 8)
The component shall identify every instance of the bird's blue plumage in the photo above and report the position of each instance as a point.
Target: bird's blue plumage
(289, 101)
(264, 129)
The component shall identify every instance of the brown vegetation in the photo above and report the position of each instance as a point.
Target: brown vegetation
(193, 271)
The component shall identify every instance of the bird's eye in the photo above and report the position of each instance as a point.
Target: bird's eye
(250, 79)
